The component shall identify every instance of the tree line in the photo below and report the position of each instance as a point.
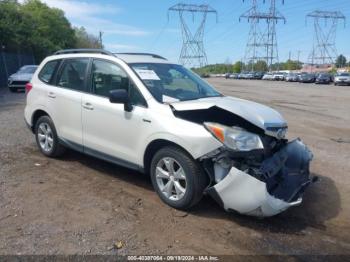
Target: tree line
(260, 66)
(238, 67)
(33, 27)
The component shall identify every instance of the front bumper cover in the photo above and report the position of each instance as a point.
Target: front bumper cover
(286, 177)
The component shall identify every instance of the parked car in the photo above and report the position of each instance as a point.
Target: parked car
(278, 76)
(258, 75)
(267, 76)
(292, 77)
(323, 79)
(233, 76)
(146, 113)
(307, 78)
(342, 79)
(19, 79)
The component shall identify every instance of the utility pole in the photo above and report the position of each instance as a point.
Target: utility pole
(100, 38)
(290, 55)
(192, 53)
(324, 51)
(299, 51)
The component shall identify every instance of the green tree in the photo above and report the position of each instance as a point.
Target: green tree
(237, 67)
(340, 61)
(260, 66)
(291, 65)
(11, 24)
(49, 28)
(86, 40)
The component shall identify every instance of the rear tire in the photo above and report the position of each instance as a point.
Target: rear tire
(180, 186)
(46, 137)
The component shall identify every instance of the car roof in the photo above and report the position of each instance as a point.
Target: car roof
(126, 57)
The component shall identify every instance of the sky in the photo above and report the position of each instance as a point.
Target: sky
(144, 26)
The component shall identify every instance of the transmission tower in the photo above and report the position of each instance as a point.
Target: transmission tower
(255, 46)
(192, 52)
(262, 43)
(324, 50)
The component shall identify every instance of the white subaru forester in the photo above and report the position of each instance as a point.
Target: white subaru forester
(140, 111)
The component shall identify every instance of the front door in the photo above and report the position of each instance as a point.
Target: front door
(108, 129)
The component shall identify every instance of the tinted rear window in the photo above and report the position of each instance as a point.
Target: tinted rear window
(48, 71)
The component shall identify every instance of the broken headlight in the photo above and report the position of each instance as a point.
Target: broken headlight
(234, 138)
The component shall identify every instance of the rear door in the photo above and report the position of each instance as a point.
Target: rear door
(108, 130)
(65, 100)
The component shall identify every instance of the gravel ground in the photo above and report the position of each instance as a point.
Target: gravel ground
(81, 205)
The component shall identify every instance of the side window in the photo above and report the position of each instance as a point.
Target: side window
(48, 70)
(107, 76)
(73, 74)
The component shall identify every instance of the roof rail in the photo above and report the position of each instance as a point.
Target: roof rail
(145, 54)
(83, 50)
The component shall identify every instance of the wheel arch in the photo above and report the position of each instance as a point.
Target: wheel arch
(35, 117)
(153, 147)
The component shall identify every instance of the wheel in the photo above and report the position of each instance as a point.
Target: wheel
(46, 137)
(177, 178)
(13, 89)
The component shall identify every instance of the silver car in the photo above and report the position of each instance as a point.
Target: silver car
(19, 79)
(342, 79)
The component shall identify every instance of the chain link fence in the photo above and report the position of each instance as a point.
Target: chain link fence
(11, 62)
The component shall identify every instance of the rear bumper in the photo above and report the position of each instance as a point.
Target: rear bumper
(287, 176)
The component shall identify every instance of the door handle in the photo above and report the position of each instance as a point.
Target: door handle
(88, 106)
(51, 94)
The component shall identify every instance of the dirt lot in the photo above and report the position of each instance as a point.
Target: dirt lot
(80, 205)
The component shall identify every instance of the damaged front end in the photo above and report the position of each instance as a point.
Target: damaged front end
(264, 188)
(257, 171)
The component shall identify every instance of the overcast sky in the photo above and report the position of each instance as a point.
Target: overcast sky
(143, 26)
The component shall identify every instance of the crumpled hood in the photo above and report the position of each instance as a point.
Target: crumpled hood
(21, 77)
(257, 114)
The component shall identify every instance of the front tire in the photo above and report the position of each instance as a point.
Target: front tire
(46, 137)
(177, 178)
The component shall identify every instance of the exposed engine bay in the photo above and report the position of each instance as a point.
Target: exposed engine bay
(261, 177)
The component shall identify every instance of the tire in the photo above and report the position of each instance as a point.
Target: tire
(13, 89)
(195, 179)
(54, 148)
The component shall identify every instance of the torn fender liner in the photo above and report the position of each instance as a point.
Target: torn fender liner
(287, 175)
(294, 175)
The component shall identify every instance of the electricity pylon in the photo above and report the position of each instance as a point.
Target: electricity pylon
(271, 44)
(262, 43)
(255, 38)
(324, 51)
(192, 53)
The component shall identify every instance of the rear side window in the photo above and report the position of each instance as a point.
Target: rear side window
(73, 74)
(48, 71)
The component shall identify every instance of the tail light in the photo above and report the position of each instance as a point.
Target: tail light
(29, 87)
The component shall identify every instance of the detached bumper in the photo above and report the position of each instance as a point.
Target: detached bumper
(286, 177)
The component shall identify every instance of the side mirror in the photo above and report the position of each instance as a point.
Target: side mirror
(120, 96)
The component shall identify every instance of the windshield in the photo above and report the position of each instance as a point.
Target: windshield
(27, 70)
(344, 74)
(170, 83)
